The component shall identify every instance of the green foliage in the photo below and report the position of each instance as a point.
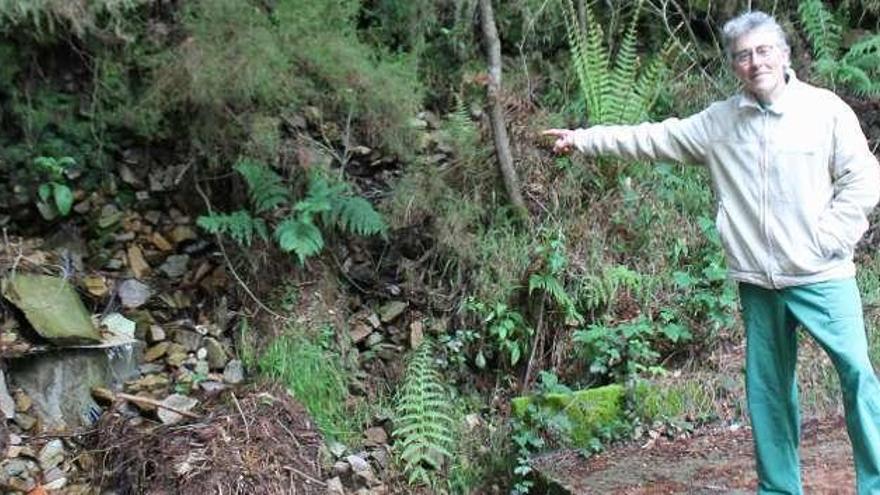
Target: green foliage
(600, 291)
(823, 30)
(423, 423)
(549, 279)
(623, 349)
(300, 237)
(858, 69)
(44, 18)
(621, 90)
(527, 442)
(509, 333)
(266, 188)
(400, 24)
(705, 292)
(50, 124)
(356, 215)
(581, 419)
(55, 196)
(316, 378)
(239, 225)
(331, 203)
(675, 400)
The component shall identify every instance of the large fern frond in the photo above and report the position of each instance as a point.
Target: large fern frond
(424, 425)
(650, 82)
(858, 80)
(301, 237)
(266, 188)
(356, 215)
(623, 107)
(238, 225)
(589, 58)
(551, 285)
(823, 31)
(319, 197)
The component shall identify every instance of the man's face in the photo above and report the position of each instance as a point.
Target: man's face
(759, 63)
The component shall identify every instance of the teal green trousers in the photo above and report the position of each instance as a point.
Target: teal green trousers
(832, 313)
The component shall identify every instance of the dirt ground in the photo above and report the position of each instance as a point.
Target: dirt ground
(713, 461)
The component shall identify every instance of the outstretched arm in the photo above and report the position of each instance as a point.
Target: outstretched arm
(679, 140)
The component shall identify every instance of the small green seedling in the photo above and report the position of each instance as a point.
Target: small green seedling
(55, 196)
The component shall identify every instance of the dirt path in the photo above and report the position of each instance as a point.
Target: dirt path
(713, 461)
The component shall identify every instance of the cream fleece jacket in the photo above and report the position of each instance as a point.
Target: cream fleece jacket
(794, 182)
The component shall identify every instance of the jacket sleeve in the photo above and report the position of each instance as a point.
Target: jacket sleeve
(855, 174)
(679, 140)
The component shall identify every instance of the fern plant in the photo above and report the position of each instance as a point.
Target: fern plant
(238, 225)
(857, 70)
(423, 420)
(327, 203)
(621, 90)
(548, 280)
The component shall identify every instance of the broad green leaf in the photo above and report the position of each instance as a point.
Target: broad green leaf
(63, 198)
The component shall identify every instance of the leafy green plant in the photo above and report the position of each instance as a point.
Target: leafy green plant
(621, 349)
(621, 90)
(527, 442)
(55, 196)
(507, 328)
(328, 203)
(858, 69)
(601, 290)
(704, 291)
(423, 421)
(549, 279)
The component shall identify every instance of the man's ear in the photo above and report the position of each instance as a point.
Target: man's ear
(786, 57)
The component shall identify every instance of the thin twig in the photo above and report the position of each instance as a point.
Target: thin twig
(229, 262)
(153, 402)
(304, 475)
(539, 333)
(247, 430)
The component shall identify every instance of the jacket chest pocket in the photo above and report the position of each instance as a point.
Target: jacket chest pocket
(796, 174)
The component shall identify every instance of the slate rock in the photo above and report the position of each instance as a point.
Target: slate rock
(190, 341)
(179, 402)
(234, 372)
(175, 266)
(51, 455)
(376, 436)
(134, 293)
(390, 311)
(217, 357)
(52, 306)
(335, 487)
(7, 403)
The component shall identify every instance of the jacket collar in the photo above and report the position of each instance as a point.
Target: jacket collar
(784, 103)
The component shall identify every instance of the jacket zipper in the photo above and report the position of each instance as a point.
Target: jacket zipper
(765, 198)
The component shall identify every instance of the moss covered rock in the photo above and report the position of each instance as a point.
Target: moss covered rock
(585, 413)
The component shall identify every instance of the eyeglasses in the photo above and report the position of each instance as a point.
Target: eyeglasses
(757, 54)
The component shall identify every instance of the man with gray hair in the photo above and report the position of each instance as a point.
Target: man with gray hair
(794, 181)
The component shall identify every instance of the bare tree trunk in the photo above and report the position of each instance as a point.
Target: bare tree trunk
(499, 131)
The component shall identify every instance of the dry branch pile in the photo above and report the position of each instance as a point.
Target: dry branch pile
(263, 442)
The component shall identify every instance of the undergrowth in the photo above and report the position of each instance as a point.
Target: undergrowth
(316, 377)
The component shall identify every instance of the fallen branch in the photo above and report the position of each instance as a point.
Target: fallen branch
(137, 399)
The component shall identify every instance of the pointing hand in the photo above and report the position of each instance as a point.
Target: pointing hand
(564, 139)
